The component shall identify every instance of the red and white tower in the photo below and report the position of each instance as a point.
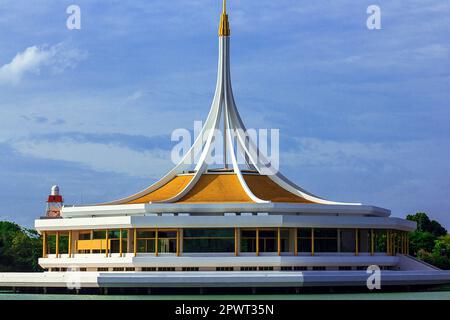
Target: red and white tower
(54, 203)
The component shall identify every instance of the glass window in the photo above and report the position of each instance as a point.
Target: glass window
(348, 238)
(51, 243)
(304, 240)
(63, 243)
(145, 241)
(248, 240)
(167, 241)
(380, 240)
(364, 240)
(84, 235)
(146, 234)
(208, 240)
(284, 240)
(101, 234)
(114, 240)
(397, 241)
(167, 234)
(268, 240)
(325, 240)
(208, 233)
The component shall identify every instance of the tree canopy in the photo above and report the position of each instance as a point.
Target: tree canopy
(20, 248)
(430, 241)
(424, 224)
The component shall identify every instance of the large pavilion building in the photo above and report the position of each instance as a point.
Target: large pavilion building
(224, 220)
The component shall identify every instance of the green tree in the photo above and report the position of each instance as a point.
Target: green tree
(442, 246)
(437, 229)
(424, 224)
(421, 241)
(430, 241)
(20, 248)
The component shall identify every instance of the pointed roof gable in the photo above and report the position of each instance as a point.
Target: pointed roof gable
(202, 186)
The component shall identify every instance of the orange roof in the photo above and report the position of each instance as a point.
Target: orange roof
(170, 189)
(265, 189)
(217, 188)
(221, 188)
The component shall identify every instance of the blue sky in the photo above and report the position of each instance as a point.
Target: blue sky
(363, 115)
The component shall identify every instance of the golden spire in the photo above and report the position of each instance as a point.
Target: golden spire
(224, 26)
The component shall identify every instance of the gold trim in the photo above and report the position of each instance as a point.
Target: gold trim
(44, 244)
(120, 244)
(257, 241)
(135, 242)
(279, 241)
(70, 244)
(178, 242)
(224, 25)
(387, 243)
(156, 242)
(372, 242)
(295, 242)
(236, 248)
(404, 241)
(107, 240)
(407, 244)
(312, 241)
(404, 235)
(57, 244)
(394, 244)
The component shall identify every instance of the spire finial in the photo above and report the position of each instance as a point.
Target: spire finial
(224, 26)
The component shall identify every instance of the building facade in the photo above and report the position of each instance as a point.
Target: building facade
(229, 218)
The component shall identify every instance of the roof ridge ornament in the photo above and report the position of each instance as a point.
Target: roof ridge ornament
(224, 25)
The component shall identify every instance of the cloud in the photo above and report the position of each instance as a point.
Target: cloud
(99, 157)
(376, 102)
(32, 178)
(135, 96)
(28, 61)
(412, 157)
(134, 142)
(403, 176)
(35, 118)
(34, 59)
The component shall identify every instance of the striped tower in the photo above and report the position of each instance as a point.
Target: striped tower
(54, 203)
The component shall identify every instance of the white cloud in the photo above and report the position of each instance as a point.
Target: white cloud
(318, 152)
(33, 59)
(100, 157)
(28, 61)
(404, 176)
(135, 96)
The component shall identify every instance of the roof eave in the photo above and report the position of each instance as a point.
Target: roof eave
(271, 207)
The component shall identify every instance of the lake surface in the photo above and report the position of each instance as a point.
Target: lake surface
(434, 295)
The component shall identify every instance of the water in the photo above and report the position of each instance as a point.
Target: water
(434, 295)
